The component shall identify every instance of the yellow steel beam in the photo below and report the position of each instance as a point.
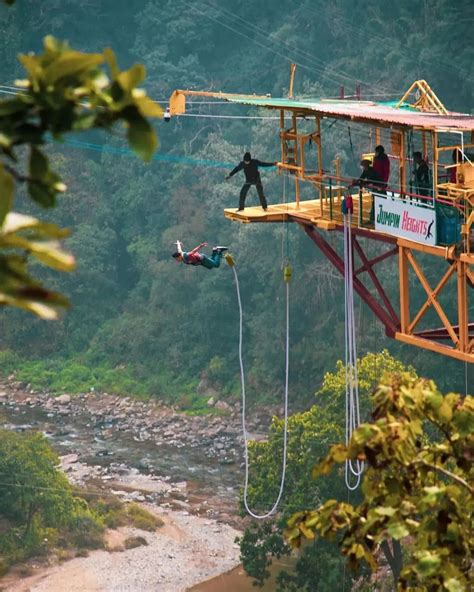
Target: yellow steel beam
(435, 294)
(463, 317)
(429, 292)
(436, 347)
(404, 289)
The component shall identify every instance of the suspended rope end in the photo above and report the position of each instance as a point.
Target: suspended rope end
(230, 260)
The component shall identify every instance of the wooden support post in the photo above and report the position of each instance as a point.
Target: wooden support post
(404, 290)
(434, 141)
(292, 80)
(377, 135)
(330, 198)
(320, 150)
(463, 319)
(297, 181)
(337, 164)
(282, 136)
(423, 144)
(402, 163)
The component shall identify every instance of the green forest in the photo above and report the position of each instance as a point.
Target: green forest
(139, 323)
(135, 323)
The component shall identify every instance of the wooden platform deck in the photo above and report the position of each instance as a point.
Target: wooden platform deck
(317, 212)
(322, 216)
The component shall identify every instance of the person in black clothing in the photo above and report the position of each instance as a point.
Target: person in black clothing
(370, 178)
(422, 175)
(252, 177)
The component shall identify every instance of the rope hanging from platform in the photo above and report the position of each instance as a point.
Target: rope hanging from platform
(353, 471)
(287, 277)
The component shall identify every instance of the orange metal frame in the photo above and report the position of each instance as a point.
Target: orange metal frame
(453, 338)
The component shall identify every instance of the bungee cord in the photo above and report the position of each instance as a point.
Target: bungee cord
(352, 470)
(244, 403)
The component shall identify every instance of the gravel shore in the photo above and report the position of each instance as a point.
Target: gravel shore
(185, 551)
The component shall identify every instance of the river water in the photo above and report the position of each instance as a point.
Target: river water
(97, 444)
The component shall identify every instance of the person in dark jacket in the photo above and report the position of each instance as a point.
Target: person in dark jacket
(252, 177)
(382, 164)
(422, 175)
(371, 179)
(194, 257)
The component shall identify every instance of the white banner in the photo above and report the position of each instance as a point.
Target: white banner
(402, 218)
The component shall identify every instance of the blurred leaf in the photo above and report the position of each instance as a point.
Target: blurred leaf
(7, 188)
(398, 530)
(129, 79)
(147, 107)
(428, 563)
(142, 137)
(111, 61)
(15, 222)
(71, 63)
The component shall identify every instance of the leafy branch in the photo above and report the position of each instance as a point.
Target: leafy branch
(65, 91)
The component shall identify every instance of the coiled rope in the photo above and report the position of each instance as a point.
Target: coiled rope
(353, 471)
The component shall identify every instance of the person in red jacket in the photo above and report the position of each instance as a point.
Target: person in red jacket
(194, 257)
(382, 165)
(457, 158)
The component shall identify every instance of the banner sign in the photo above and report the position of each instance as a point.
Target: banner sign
(407, 220)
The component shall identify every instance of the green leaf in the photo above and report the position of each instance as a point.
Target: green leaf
(132, 77)
(398, 530)
(15, 222)
(7, 189)
(454, 585)
(111, 61)
(48, 252)
(142, 137)
(445, 413)
(71, 63)
(385, 511)
(147, 107)
(433, 494)
(463, 421)
(428, 563)
(12, 107)
(39, 165)
(41, 194)
(307, 532)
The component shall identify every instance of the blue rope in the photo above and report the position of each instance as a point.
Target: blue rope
(171, 158)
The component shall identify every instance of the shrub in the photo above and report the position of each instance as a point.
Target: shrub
(134, 541)
(142, 519)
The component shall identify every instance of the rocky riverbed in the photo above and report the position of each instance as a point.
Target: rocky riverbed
(147, 451)
(188, 469)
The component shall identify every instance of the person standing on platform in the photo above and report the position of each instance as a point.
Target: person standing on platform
(382, 164)
(422, 175)
(372, 180)
(252, 177)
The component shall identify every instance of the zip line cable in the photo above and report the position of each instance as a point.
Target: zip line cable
(244, 400)
(281, 55)
(171, 158)
(322, 69)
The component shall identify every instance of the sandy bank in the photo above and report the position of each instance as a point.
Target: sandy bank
(185, 551)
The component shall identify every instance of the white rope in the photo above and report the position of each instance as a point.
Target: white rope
(244, 427)
(352, 470)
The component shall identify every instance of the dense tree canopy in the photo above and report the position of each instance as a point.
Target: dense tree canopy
(310, 436)
(417, 489)
(126, 215)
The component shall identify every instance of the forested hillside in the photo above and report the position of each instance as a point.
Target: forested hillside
(140, 323)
